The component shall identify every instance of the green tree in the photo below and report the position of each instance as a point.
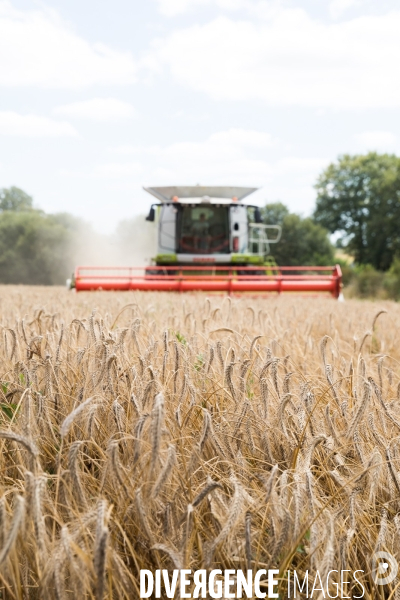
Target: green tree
(303, 242)
(274, 213)
(34, 248)
(15, 199)
(359, 196)
(392, 280)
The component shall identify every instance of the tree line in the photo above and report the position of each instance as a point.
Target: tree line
(35, 247)
(42, 249)
(357, 204)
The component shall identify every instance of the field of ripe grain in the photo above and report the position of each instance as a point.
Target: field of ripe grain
(145, 431)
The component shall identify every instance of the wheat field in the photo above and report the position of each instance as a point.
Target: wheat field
(156, 431)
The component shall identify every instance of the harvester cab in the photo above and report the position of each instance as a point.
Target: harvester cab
(209, 240)
(200, 225)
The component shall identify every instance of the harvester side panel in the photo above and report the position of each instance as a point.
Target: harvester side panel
(167, 229)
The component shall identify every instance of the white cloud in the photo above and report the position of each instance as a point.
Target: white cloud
(299, 166)
(111, 170)
(263, 8)
(37, 48)
(175, 7)
(234, 154)
(117, 171)
(377, 140)
(97, 109)
(12, 123)
(241, 138)
(289, 59)
(338, 7)
(234, 157)
(229, 157)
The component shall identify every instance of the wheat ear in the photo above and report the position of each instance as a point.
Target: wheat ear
(157, 417)
(234, 513)
(73, 468)
(66, 424)
(100, 555)
(138, 437)
(283, 535)
(207, 489)
(360, 411)
(142, 516)
(165, 472)
(20, 439)
(19, 514)
(172, 553)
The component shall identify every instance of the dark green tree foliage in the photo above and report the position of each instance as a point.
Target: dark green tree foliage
(34, 249)
(274, 213)
(392, 280)
(303, 242)
(15, 199)
(360, 196)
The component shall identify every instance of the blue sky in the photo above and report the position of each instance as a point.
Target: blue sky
(99, 98)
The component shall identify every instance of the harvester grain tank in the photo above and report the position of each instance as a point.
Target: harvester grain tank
(208, 239)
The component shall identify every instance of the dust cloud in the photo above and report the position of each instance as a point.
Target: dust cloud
(133, 243)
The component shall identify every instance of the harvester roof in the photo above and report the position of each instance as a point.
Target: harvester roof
(199, 193)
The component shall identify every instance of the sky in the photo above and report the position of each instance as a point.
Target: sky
(100, 98)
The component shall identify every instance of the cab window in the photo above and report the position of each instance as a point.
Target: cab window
(204, 230)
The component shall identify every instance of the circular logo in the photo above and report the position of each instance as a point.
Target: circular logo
(384, 568)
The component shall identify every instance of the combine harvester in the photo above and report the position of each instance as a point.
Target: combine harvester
(208, 240)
